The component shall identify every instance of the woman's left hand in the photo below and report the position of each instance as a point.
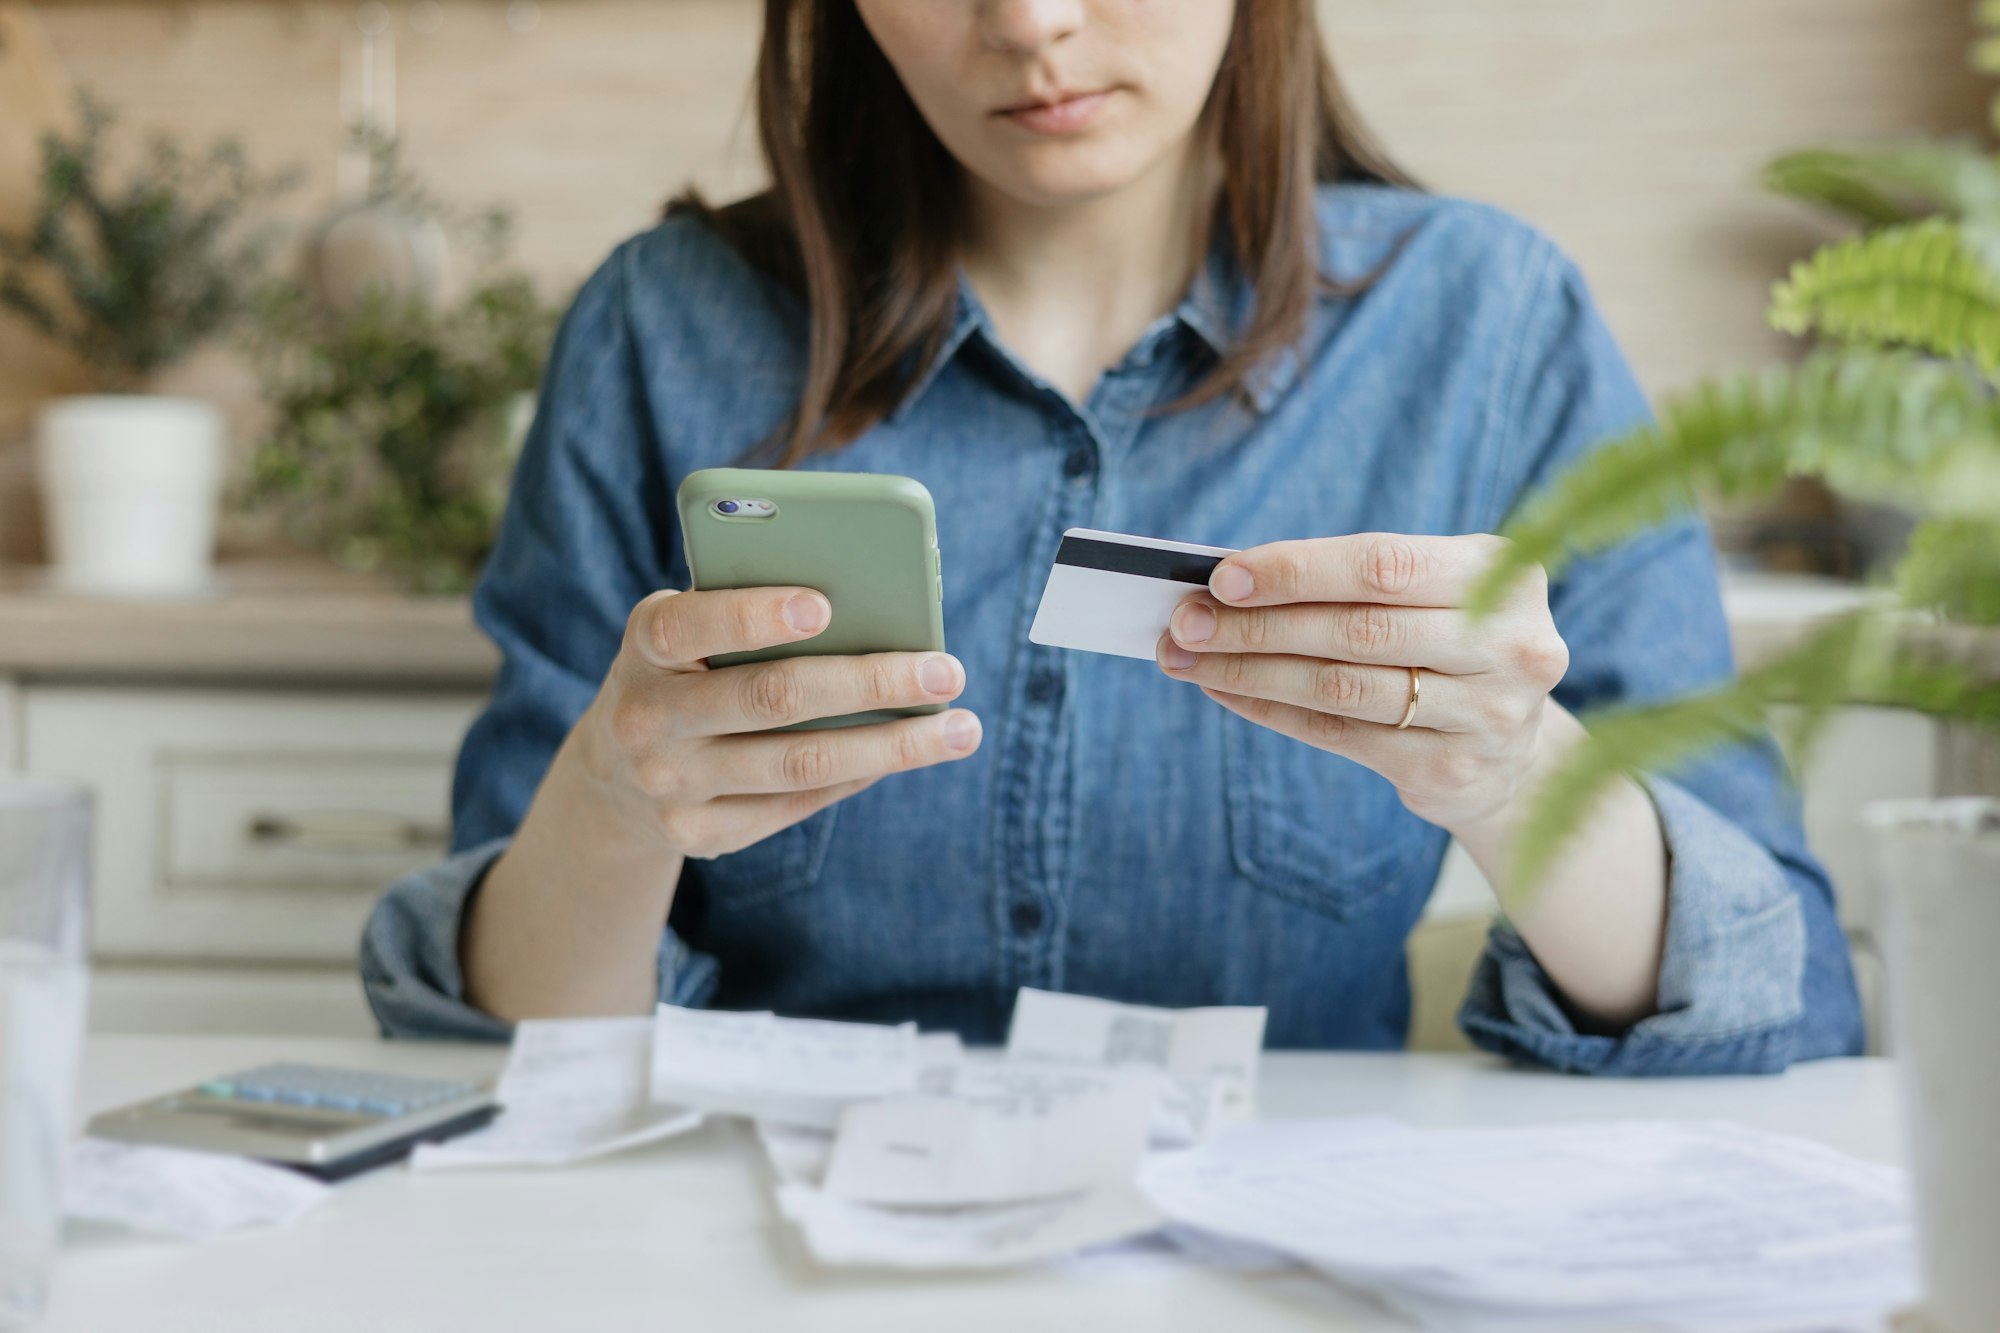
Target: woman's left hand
(1316, 639)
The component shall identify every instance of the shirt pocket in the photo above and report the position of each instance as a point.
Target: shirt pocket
(786, 863)
(1314, 828)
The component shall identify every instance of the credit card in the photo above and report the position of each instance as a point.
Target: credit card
(1114, 593)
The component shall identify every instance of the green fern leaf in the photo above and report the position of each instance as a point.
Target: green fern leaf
(1865, 657)
(1953, 567)
(1633, 741)
(1836, 181)
(1936, 685)
(1875, 424)
(1920, 285)
(1883, 187)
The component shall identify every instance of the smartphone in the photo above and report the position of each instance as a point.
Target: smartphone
(867, 540)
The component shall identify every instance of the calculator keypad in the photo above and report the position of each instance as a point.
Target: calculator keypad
(319, 1088)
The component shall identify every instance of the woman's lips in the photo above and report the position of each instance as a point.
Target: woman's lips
(1065, 115)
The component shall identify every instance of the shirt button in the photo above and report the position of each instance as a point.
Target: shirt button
(1080, 464)
(1027, 916)
(1045, 686)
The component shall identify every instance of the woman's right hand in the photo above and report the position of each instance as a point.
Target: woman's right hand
(683, 755)
(674, 759)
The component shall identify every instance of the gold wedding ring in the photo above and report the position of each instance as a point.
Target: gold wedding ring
(1416, 692)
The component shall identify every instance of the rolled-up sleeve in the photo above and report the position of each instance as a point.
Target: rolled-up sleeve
(409, 956)
(1731, 990)
(585, 538)
(409, 953)
(1755, 971)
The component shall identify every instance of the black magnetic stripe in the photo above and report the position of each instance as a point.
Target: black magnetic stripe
(1146, 561)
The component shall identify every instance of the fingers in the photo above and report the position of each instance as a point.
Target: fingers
(1365, 693)
(1364, 632)
(1386, 568)
(1369, 743)
(1433, 772)
(732, 823)
(760, 696)
(807, 761)
(680, 630)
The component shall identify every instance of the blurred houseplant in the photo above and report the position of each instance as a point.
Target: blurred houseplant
(396, 417)
(132, 278)
(1899, 400)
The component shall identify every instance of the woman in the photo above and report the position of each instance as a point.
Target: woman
(1128, 264)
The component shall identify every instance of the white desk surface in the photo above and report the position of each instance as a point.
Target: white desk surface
(683, 1235)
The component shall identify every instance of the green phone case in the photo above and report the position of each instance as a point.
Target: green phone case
(867, 540)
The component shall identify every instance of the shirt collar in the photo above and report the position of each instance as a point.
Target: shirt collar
(970, 318)
(1216, 309)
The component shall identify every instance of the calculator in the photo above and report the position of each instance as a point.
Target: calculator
(328, 1123)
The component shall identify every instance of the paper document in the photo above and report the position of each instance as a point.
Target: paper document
(1009, 1131)
(940, 1055)
(188, 1195)
(1210, 1054)
(842, 1232)
(791, 1070)
(799, 1153)
(1191, 1111)
(1188, 1043)
(1586, 1223)
(574, 1089)
(1172, 1247)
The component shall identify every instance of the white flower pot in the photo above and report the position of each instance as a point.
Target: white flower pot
(130, 486)
(1938, 864)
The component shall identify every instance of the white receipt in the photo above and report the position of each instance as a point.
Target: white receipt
(1010, 1131)
(842, 1232)
(1209, 1054)
(573, 1089)
(1592, 1224)
(940, 1055)
(1176, 1247)
(791, 1070)
(799, 1153)
(188, 1195)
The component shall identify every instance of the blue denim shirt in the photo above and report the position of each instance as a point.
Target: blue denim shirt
(1118, 834)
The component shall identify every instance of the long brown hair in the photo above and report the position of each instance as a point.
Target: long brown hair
(866, 206)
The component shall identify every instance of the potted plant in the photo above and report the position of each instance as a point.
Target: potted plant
(132, 278)
(1899, 401)
(395, 419)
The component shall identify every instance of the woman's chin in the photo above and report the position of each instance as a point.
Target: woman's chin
(1064, 178)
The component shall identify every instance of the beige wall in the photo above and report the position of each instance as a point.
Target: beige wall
(1631, 129)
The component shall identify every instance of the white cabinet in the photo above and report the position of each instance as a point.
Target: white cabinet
(10, 725)
(263, 763)
(241, 836)
(248, 825)
(173, 999)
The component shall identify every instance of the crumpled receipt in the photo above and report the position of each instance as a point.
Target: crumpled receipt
(574, 1089)
(1009, 1132)
(187, 1195)
(1209, 1056)
(795, 1071)
(841, 1232)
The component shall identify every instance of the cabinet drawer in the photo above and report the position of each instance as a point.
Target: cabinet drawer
(244, 825)
(295, 822)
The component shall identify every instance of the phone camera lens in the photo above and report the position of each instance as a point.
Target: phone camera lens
(726, 506)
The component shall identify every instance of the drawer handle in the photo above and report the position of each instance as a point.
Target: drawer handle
(336, 831)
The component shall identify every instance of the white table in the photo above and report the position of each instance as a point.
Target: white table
(684, 1236)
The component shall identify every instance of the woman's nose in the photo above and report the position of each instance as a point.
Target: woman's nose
(1026, 27)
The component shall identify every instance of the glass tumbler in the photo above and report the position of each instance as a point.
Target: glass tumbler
(44, 887)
